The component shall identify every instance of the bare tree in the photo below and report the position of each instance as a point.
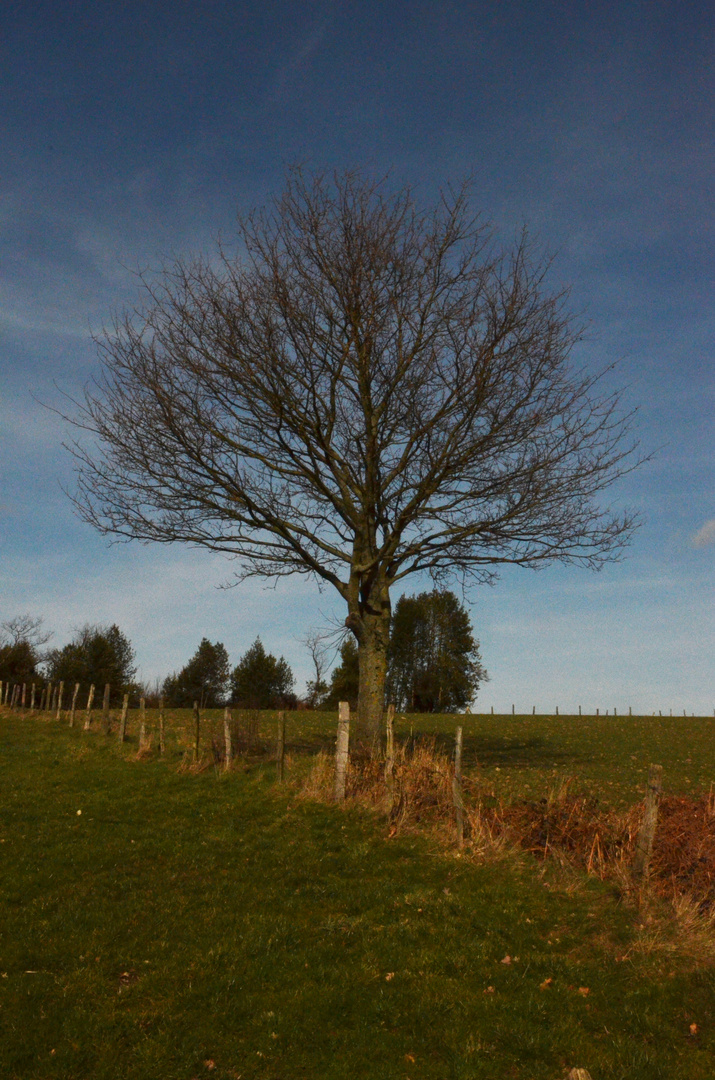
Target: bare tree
(24, 629)
(366, 391)
(318, 643)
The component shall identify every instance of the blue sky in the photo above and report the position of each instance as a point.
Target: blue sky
(132, 132)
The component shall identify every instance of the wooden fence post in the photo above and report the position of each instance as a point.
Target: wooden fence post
(646, 834)
(341, 750)
(227, 737)
(162, 743)
(60, 695)
(142, 723)
(390, 757)
(23, 698)
(55, 692)
(1, 691)
(48, 702)
(42, 700)
(123, 720)
(105, 708)
(197, 717)
(281, 747)
(88, 714)
(32, 697)
(457, 788)
(74, 703)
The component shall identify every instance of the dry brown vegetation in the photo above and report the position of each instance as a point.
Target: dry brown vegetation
(574, 828)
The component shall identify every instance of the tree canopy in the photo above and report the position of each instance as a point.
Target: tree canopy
(367, 389)
(204, 679)
(97, 654)
(434, 661)
(345, 678)
(21, 641)
(260, 681)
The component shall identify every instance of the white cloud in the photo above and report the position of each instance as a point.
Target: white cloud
(706, 535)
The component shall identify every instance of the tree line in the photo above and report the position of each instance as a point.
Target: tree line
(434, 664)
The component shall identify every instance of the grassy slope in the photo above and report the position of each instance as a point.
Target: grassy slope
(258, 932)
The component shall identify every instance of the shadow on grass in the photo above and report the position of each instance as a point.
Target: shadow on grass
(533, 752)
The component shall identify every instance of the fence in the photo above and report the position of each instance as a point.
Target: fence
(581, 712)
(238, 738)
(51, 699)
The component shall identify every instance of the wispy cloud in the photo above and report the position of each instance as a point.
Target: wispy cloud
(291, 70)
(706, 535)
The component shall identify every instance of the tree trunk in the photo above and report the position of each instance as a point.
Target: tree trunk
(372, 658)
(368, 597)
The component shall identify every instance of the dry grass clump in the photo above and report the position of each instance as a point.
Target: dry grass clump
(603, 841)
(574, 826)
(190, 765)
(317, 785)
(683, 862)
(421, 785)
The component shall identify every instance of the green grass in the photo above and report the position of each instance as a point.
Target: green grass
(183, 919)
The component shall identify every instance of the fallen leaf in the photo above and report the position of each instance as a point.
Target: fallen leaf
(506, 960)
(546, 983)
(410, 1057)
(390, 976)
(693, 1029)
(584, 990)
(489, 990)
(210, 1064)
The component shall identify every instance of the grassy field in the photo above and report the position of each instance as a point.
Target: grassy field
(215, 925)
